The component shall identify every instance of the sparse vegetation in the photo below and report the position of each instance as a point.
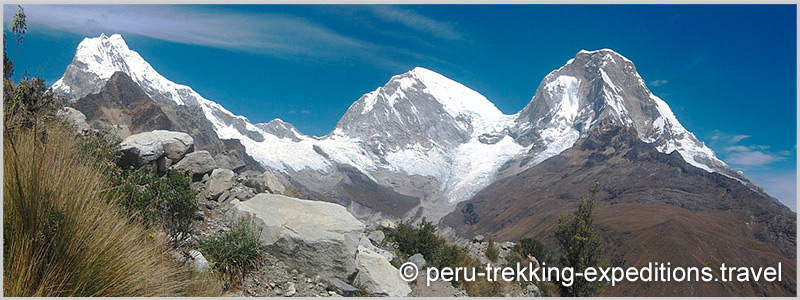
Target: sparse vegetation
(439, 253)
(535, 248)
(491, 251)
(291, 192)
(167, 201)
(581, 247)
(236, 252)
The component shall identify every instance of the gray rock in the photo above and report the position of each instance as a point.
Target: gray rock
(365, 242)
(229, 161)
(340, 286)
(250, 173)
(376, 237)
(242, 193)
(224, 196)
(478, 239)
(220, 181)
(378, 276)
(272, 183)
(254, 184)
(74, 117)
(163, 163)
(418, 260)
(146, 147)
(199, 163)
(199, 215)
(290, 290)
(506, 245)
(199, 262)
(388, 224)
(531, 290)
(314, 236)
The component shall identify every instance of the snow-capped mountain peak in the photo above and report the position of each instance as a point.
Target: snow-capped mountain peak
(96, 59)
(603, 84)
(421, 127)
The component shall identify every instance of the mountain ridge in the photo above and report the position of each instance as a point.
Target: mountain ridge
(423, 125)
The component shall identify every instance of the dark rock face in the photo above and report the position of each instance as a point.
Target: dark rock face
(121, 103)
(190, 119)
(649, 206)
(470, 216)
(235, 148)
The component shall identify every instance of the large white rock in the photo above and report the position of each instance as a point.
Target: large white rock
(316, 237)
(219, 181)
(74, 117)
(378, 276)
(146, 147)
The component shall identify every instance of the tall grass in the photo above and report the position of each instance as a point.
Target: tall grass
(62, 238)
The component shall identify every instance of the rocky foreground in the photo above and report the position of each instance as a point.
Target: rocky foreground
(315, 248)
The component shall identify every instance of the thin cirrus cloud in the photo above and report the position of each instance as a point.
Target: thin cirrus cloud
(745, 156)
(416, 21)
(658, 83)
(282, 36)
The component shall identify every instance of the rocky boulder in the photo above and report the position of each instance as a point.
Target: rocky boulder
(229, 161)
(143, 148)
(199, 163)
(272, 183)
(315, 237)
(220, 180)
(378, 276)
(74, 117)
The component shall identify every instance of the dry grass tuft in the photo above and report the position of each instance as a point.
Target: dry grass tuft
(62, 238)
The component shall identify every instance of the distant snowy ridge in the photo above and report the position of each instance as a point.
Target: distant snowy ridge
(422, 123)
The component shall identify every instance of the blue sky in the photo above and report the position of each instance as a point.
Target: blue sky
(728, 71)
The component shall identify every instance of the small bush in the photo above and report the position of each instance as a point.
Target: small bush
(291, 192)
(535, 248)
(420, 239)
(167, 201)
(236, 252)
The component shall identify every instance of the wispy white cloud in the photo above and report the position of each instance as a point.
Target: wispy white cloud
(781, 185)
(744, 156)
(270, 34)
(658, 83)
(416, 21)
(735, 153)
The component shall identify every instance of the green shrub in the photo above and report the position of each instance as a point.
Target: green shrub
(535, 248)
(420, 239)
(236, 252)
(581, 247)
(167, 201)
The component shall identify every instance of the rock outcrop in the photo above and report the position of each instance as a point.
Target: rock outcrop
(377, 275)
(199, 163)
(144, 148)
(316, 237)
(219, 181)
